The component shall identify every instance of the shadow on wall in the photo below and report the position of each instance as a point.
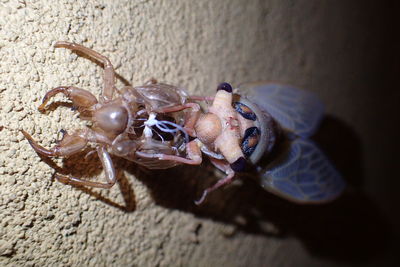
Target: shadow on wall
(350, 229)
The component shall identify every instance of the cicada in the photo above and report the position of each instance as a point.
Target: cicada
(287, 117)
(256, 121)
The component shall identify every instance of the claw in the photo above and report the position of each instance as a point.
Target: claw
(63, 134)
(50, 94)
(38, 148)
(202, 198)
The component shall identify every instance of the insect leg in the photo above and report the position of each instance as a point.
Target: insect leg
(193, 155)
(109, 73)
(230, 174)
(79, 97)
(109, 171)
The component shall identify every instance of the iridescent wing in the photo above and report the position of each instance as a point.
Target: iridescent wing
(303, 174)
(295, 110)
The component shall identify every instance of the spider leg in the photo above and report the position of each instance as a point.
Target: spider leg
(109, 73)
(109, 171)
(80, 98)
(68, 145)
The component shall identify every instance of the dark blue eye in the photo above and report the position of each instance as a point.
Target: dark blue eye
(250, 140)
(245, 111)
(225, 86)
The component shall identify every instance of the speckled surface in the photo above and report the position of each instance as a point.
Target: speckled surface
(333, 48)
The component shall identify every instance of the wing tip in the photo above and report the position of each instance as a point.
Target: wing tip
(307, 200)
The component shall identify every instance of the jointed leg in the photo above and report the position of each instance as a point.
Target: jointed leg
(69, 145)
(79, 97)
(109, 74)
(193, 155)
(72, 144)
(109, 171)
(230, 174)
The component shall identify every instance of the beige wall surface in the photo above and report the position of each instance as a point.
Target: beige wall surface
(334, 48)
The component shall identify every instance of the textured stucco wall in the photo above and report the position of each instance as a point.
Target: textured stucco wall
(331, 47)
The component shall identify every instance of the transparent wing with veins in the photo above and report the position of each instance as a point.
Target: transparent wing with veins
(294, 109)
(302, 173)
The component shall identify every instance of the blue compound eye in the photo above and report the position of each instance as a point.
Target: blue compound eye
(245, 111)
(225, 86)
(250, 140)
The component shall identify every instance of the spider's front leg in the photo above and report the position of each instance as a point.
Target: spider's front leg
(109, 73)
(67, 146)
(80, 98)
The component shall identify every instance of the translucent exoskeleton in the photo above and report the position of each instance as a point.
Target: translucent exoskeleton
(300, 172)
(144, 124)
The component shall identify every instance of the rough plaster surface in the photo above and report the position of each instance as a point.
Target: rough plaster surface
(148, 219)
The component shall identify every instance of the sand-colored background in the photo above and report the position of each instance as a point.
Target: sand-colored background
(342, 50)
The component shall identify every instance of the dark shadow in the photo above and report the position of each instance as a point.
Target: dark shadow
(88, 169)
(351, 228)
(343, 148)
